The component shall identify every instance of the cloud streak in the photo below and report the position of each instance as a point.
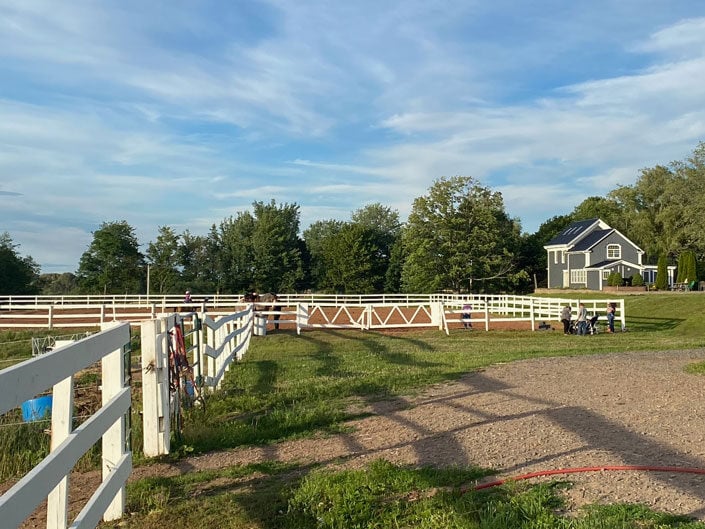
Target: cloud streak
(183, 116)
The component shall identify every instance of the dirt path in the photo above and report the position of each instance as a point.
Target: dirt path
(541, 414)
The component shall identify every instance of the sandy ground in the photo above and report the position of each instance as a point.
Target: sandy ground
(533, 415)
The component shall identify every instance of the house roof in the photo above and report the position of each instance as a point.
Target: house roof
(611, 262)
(571, 232)
(605, 264)
(590, 240)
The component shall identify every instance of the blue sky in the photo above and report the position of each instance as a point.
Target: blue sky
(182, 113)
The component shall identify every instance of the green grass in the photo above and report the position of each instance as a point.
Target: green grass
(382, 495)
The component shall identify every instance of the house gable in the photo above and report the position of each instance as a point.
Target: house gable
(587, 250)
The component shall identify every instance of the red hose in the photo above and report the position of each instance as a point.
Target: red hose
(683, 470)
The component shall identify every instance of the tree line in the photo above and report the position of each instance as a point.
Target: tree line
(458, 237)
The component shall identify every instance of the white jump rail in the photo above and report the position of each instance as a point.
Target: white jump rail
(49, 479)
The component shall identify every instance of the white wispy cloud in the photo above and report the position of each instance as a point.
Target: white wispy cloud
(183, 115)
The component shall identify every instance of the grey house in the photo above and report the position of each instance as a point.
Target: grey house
(586, 252)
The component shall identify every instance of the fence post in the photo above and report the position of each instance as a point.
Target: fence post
(487, 316)
(212, 371)
(115, 438)
(50, 316)
(155, 389)
(533, 316)
(301, 316)
(61, 428)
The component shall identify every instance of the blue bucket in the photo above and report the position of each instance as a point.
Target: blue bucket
(37, 409)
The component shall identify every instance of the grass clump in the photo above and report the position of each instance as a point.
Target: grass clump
(379, 496)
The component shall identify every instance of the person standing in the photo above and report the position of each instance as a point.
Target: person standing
(566, 313)
(467, 316)
(610, 316)
(582, 319)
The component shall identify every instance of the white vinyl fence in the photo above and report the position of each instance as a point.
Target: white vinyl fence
(222, 341)
(369, 311)
(50, 479)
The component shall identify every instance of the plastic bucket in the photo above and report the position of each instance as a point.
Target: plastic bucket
(37, 409)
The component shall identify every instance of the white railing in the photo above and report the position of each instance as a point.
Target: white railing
(221, 341)
(50, 479)
(365, 311)
(225, 339)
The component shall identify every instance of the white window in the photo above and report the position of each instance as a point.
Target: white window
(614, 251)
(578, 277)
(605, 274)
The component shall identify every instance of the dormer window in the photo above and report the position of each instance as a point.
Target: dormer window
(614, 251)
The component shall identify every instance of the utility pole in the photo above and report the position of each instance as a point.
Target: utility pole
(147, 282)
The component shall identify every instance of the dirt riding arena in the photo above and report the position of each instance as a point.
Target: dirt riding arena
(537, 415)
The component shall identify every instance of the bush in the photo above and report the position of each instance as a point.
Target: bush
(614, 279)
(637, 280)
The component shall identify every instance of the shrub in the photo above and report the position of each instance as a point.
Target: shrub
(614, 279)
(637, 280)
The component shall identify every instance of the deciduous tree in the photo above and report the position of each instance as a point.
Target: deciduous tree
(112, 263)
(458, 235)
(18, 275)
(163, 257)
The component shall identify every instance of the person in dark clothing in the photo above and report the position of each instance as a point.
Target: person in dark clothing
(565, 319)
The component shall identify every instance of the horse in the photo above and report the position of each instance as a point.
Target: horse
(270, 298)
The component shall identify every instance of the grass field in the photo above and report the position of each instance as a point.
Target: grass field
(291, 386)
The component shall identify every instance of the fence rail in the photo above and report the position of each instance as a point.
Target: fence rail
(322, 310)
(50, 479)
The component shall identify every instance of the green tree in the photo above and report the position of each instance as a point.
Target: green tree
(163, 258)
(196, 257)
(112, 264)
(316, 237)
(231, 249)
(662, 273)
(382, 224)
(276, 254)
(392, 277)
(687, 267)
(650, 211)
(456, 234)
(603, 208)
(58, 284)
(18, 275)
(348, 260)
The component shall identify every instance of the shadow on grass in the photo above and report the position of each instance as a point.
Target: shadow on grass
(652, 324)
(382, 351)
